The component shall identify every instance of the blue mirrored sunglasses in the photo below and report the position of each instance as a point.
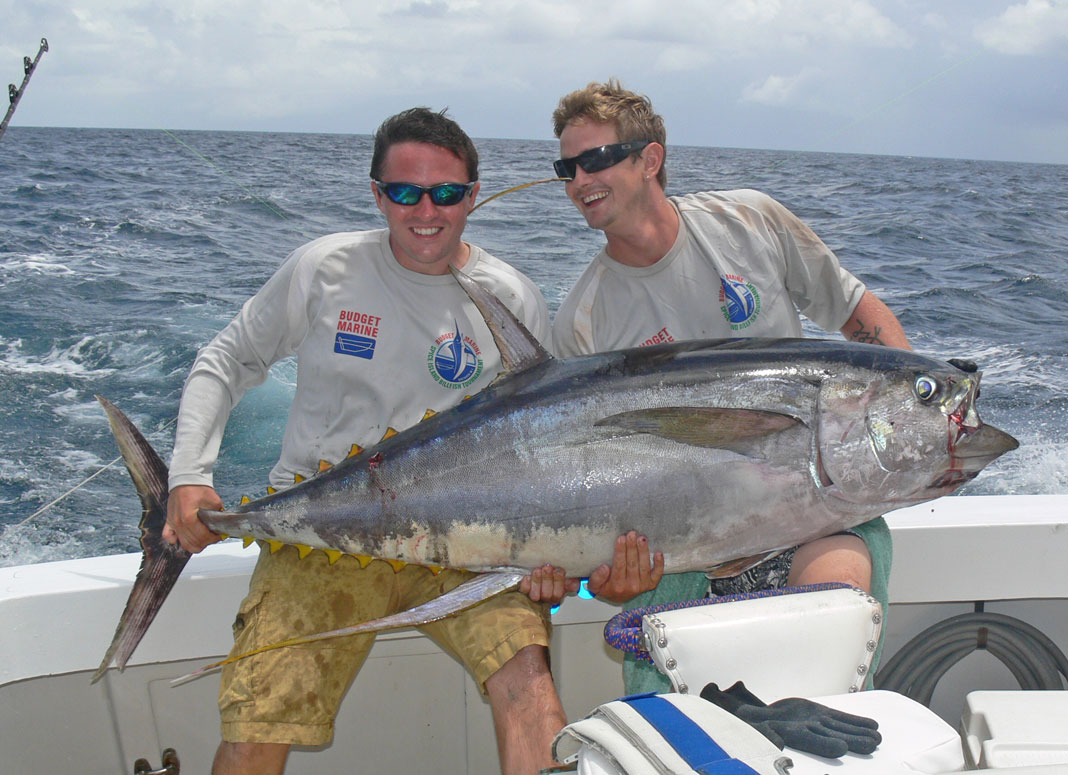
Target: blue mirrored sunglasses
(597, 159)
(408, 194)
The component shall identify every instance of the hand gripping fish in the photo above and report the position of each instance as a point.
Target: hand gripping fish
(721, 452)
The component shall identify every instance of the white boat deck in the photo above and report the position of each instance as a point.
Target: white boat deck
(413, 708)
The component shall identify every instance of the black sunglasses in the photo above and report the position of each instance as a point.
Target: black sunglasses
(597, 159)
(409, 194)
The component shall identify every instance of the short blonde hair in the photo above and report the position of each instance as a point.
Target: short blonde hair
(631, 114)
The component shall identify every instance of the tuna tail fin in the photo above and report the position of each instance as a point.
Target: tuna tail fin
(161, 563)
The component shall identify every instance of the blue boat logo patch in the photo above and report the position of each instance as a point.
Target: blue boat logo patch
(740, 302)
(357, 333)
(454, 360)
(350, 344)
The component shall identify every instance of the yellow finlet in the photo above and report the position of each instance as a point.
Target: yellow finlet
(396, 565)
(429, 413)
(324, 466)
(435, 569)
(356, 449)
(275, 545)
(223, 536)
(245, 499)
(363, 559)
(247, 541)
(303, 550)
(297, 478)
(332, 555)
(390, 432)
(271, 491)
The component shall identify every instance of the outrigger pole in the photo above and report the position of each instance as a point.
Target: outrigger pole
(16, 94)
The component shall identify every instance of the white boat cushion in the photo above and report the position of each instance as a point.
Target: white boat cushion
(791, 645)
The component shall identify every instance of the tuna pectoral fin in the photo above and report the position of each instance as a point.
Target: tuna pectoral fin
(161, 563)
(732, 429)
(481, 587)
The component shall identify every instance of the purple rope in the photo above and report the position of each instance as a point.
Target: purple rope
(624, 630)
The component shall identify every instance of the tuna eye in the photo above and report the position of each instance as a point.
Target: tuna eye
(927, 388)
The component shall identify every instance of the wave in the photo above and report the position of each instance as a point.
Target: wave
(72, 361)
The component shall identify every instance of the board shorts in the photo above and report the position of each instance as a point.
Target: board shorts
(291, 695)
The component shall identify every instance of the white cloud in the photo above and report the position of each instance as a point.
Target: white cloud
(1033, 27)
(934, 20)
(755, 27)
(781, 90)
(680, 57)
(341, 65)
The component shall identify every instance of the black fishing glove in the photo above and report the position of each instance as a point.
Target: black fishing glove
(801, 724)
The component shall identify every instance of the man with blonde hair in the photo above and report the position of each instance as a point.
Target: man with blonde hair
(714, 264)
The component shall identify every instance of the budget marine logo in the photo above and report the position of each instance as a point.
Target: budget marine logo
(454, 360)
(740, 302)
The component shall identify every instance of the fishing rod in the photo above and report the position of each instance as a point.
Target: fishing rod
(14, 95)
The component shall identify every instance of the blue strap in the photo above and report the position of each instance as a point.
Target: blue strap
(691, 743)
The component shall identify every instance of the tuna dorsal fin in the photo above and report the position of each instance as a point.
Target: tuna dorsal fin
(732, 429)
(518, 347)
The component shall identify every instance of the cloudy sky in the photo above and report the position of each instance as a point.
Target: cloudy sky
(985, 79)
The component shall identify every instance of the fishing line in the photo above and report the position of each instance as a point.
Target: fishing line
(514, 188)
(75, 488)
(903, 95)
(892, 101)
(226, 175)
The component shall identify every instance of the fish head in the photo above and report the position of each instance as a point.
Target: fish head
(903, 436)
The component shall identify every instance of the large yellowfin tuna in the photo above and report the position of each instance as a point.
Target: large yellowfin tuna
(721, 452)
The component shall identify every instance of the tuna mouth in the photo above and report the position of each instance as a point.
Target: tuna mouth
(972, 453)
(951, 480)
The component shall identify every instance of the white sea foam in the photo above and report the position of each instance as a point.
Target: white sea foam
(39, 263)
(24, 546)
(68, 361)
(1038, 467)
(79, 411)
(79, 461)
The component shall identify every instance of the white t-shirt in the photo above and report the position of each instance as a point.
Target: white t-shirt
(742, 265)
(377, 345)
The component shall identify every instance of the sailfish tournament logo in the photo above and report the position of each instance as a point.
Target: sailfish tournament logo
(454, 360)
(740, 302)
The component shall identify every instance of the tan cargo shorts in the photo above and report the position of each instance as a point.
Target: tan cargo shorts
(291, 695)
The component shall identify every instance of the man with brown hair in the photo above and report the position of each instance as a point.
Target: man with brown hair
(382, 333)
(714, 264)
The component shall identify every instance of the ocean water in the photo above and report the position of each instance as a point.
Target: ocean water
(123, 251)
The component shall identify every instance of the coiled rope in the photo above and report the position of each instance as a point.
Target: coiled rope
(1034, 660)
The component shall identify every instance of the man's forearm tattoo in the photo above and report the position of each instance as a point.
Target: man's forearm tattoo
(868, 337)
